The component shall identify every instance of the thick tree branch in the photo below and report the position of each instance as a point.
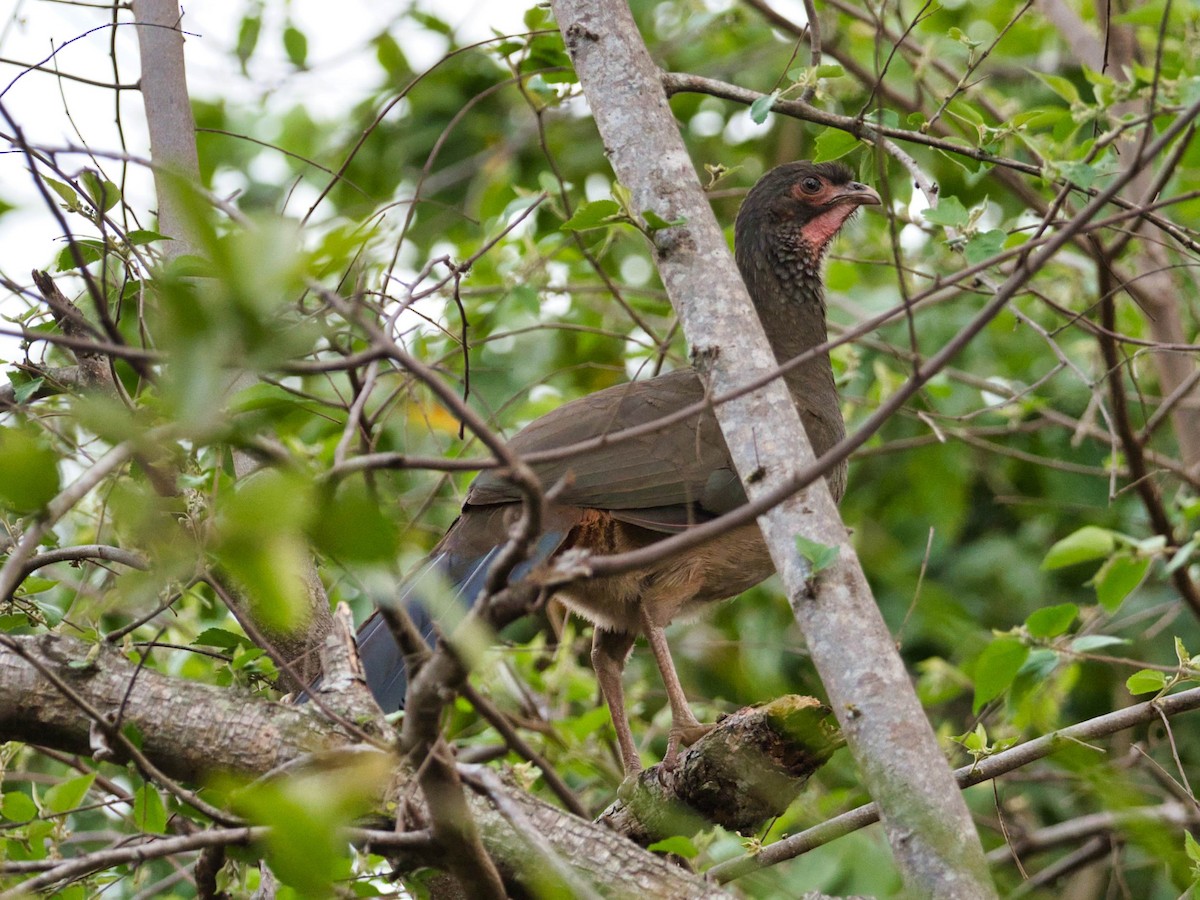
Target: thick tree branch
(191, 730)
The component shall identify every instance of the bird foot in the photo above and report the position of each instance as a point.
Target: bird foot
(683, 735)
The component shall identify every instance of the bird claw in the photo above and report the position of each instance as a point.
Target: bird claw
(683, 734)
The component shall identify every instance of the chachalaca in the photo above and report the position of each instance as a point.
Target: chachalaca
(634, 492)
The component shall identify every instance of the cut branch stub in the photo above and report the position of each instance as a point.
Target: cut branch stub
(748, 769)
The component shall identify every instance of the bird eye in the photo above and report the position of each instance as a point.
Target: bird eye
(811, 185)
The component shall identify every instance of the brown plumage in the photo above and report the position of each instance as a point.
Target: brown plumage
(635, 492)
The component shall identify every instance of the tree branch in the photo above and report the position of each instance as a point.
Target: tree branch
(930, 830)
(230, 731)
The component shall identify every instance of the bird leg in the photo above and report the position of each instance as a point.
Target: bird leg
(685, 728)
(610, 649)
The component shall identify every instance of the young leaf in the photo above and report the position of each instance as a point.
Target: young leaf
(66, 192)
(89, 251)
(949, 212)
(996, 668)
(762, 106)
(833, 143)
(984, 245)
(677, 844)
(1146, 681)
(247, 39)
(18, 807)
(1191, 847)
(1079, 173)
(1060, 86)
(67, 795)
(295, 45)
(149, 813)
(23, 390)
(29, 477)
(102, 192)
(655, 222)
(1051, 621)
(140, 236)
(1085, 544)
(1117, 578)
(596, 214)
(819, 556)
(219, 637)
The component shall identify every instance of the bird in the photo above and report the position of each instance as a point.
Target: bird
(633, 493)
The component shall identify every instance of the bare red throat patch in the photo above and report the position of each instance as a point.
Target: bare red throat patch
(820, 229)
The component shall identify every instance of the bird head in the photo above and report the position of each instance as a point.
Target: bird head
(802, 205)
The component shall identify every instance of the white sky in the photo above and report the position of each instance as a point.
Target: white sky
(58, 113)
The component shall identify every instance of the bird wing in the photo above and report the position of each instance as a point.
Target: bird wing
(665, 480)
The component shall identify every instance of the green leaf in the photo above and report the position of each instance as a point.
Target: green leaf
(1086, 544)
(594, 214)
(762, 106)
(1079, 173)
(307, 811)
(1117, 578)
(102, 192)
(35, 585)
(1181, 557)
(975, 740)
(833, 143)
(1191, 847)
(352, 527)
(23, 390)
(219, 637)
(1059, 85)
(88, 250)
(259, 537)
(996, 668)
(295, 45)
(1051, 621)
(431, 23)
(1146, 681)
(149, 813)
(1039, 664)
(949, 212)
(655, 222)
(65, 191)
(819, 556)
(67, 795)
(18, 807)
(140, 236)
(247, 39)
(676, 844)
(29, 476)
(984, 245)
(390, 56)
(536, 18)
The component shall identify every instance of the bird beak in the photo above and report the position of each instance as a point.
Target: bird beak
(855, 194)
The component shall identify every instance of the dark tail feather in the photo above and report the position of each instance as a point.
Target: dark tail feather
(382, 660)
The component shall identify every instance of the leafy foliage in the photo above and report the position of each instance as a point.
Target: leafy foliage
(466, 212)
